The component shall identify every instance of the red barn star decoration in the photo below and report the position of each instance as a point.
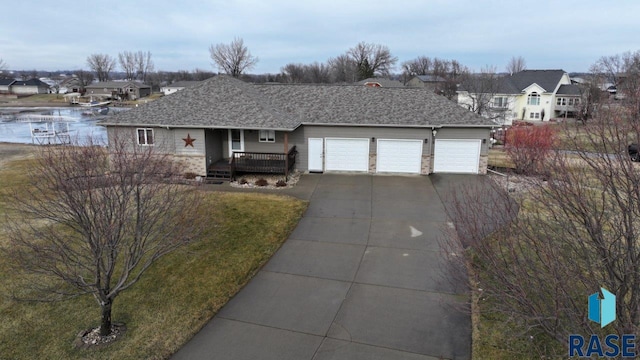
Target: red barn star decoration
(188, 141)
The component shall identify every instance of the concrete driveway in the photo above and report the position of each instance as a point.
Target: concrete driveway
(361, 277)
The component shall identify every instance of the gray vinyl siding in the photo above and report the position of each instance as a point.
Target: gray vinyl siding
(198, 142)
(214, 145)
(302, 134)
(163, 139)
(467, 133)
(252, 143)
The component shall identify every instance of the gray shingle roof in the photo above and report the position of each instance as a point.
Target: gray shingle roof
(115, 84)
(568, 90)
(6, 81)
(225, 102)
(31, 82)
(431, 78)
(516, 83)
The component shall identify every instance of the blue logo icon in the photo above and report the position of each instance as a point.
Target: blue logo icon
(602, 310)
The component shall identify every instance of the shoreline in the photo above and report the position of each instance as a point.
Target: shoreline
(32, 104)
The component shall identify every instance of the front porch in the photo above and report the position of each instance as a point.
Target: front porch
(242, 162)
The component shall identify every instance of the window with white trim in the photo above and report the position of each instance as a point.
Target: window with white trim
(500, 102)
(267, 136)
(533, 99)
(562, 101)
(535, 115)
(145, 136)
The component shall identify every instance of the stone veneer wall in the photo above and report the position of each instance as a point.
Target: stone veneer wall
(484, 162)
(372, 163)
(425, 168)
(193, 163)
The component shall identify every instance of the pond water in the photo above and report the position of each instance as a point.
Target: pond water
(82, 123)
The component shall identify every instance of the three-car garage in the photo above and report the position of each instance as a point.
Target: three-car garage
(403, 156)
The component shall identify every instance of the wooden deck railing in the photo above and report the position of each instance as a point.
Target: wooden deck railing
(271, 163)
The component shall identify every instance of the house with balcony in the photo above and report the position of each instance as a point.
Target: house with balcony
(530, 95)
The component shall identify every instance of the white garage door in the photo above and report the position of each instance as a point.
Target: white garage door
(399, 156)
(346, 154)
(456, 156)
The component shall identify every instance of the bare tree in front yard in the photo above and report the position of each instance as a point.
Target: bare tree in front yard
(94, 221)
(144, 65)
(481, 88)
(102, 65)
(234, 58)
(127, 62)
(576, 230)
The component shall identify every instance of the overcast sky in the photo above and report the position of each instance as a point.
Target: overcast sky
(549, 34)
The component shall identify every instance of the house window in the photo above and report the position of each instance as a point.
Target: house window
(563, 101)
(236, 140)
(534, 115)
(267, 136)
(145, 136)
(533, 99)
(500, 102)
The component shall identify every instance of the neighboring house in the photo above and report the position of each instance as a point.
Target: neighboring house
(71, 85)
(123, 90)
(322, 128)
(5, 85)
(533, 95)
(431, 82)
(177, 86)
(381, 82)
(29, 87)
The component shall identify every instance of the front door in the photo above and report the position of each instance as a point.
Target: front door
(316, 154)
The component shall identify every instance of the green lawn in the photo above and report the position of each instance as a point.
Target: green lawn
(175, 298)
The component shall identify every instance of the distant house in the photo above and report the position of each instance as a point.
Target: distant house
(177, 86)
(426, 81)
(71, 85)
(5, 85)
(29, 87)
(381, 82)
(533, 95)
(123, 90)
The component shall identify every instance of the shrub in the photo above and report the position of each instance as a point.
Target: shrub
(243, 181)
(190, 175)
(529, 146)
(261, 182)
(281, 183)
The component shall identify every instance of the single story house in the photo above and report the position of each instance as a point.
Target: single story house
(177, 86)
(123, 90)
(431, 82)
(29, 87)
(319, 128)
(5, 85)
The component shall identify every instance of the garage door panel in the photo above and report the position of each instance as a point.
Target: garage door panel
(347, 154)
(399, 156)
(456, 156)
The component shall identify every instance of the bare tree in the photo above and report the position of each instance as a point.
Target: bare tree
(372, 59)
(127, 61)
(418, 66)
(3, 67)
(144, 65)
(516, 64)
(343, 69)
(293, 73)
(318, 73)
(101, 64)
(95, 220)
(85, 77)
(576, 231)
(480, 89)
(234, 58)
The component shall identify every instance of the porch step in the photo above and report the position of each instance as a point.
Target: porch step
(219, 174)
